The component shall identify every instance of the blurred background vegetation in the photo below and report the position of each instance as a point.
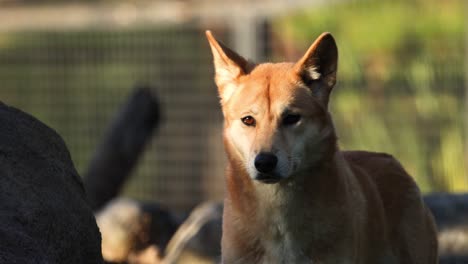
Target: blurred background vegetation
(401, 89)
(401, 81)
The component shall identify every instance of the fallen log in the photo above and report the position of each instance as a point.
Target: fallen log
(121, 147)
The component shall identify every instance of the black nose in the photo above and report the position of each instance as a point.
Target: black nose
(265, 162)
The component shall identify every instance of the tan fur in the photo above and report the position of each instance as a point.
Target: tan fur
(329, 206)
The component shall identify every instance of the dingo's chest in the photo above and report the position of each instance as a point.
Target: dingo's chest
(284, 250)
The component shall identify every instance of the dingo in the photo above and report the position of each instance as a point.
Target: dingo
(292, 195)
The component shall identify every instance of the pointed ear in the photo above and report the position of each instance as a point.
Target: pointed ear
(317, 68)
(229, 66)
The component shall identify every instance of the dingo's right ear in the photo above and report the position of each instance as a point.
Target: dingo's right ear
(319, 66)
(228, 66)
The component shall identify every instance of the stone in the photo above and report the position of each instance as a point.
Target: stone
(44, 213)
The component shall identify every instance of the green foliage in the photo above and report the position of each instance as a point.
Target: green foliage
(401, 81)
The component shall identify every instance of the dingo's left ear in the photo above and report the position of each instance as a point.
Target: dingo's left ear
(319, 66)
(228, 66)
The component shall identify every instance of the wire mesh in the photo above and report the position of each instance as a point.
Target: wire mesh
(75, 82)
(401, 89)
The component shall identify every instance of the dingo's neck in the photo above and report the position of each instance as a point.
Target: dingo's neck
(287, 217)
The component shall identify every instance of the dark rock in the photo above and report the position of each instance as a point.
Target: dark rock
(448, 209)
(454, 260)
(451, 216)
(44, 214)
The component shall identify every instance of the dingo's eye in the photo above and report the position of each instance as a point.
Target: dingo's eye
(291, 119)
(248, 121)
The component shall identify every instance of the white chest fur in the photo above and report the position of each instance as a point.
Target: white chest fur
(281, 241)
(284, 249)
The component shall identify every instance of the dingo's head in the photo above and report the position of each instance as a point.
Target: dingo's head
(276, 119)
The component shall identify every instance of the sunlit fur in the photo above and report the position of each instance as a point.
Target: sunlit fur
(267, 94)
(329, 206)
